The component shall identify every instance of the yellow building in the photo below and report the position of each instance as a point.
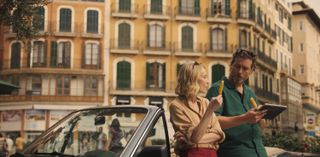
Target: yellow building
(150, 39)
(61, 71)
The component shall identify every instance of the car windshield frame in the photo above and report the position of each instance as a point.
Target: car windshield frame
(32, 148)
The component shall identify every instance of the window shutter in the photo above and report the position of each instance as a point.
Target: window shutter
(54, 47)
(148, 35)
(226, 39)
(45, 51)
(239, 38)
(211, 38)
(29, 47)
(180, 7)
(164, 76)
(163, 36)
(212, 8)
(238, 8)
(249, 36)
(253, 12)
(84, 59)
(147, 75)
(196, 7)
(178, 68)
(227, 7)
(250, 9)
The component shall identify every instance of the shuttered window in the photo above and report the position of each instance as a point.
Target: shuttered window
(15, 55)
(156, 7)
(187, 38)
(125, 6)
(123, 75)
(124, 35)
(92, 21)
(65, 20)
(91, 54)
(38, 58)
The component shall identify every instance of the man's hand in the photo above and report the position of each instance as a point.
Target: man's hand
(253, 116)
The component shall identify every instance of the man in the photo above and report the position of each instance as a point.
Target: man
(237, 117)
(102, 139)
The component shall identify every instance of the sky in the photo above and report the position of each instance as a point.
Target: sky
(315, 4)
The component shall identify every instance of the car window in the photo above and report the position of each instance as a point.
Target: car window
(155, 144)
(90, 132)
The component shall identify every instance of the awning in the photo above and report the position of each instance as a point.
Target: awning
(7, 88)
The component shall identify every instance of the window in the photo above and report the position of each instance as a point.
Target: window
(156, 36)
(91, 87)
(301, 25)
(63, 85)
(301, 69)
(38, 21)
(36, 85)
(156, 7)
(123, 75)
(92, 21)
(301, 47)
(63, 55)
(91, 55)
(15, 55)
(124, 35)
(125, 6)
(243, 39)
(217, 72)
(221, 7)
(156, 75)
(189, 7)
(187, 38)
(243, 9)
(38, 58)
(217, 39)
(65, 20)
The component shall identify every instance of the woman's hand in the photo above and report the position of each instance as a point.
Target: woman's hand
(216, 102)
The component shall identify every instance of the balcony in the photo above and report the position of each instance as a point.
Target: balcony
(142, 88)
(161, 48)
(80, 67)
(218, 13)
(219, 50)
(124, 46)
(49, 98)
(156, 12)
(243, 17)
(267, 96)
(191, 14)
(266, 61)
(124, 10)
(76, 30)
(189, 49)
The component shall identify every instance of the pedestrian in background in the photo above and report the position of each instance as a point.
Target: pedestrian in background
(19, 143)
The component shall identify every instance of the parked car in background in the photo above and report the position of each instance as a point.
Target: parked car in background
(144, 131)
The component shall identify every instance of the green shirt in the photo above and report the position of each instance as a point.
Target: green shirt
(243, 140)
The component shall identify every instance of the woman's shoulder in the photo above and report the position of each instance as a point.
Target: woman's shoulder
(176, 103)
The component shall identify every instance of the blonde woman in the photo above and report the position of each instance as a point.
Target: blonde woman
(193, 116)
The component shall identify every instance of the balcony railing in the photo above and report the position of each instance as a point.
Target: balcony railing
(267, 94)
(189, 47)
(78, 64)
(266, 59)
(124, 44)
(50, 98)
(187, 11)
(157, 10)
(126, 8)
(76, 29)
(153, 45)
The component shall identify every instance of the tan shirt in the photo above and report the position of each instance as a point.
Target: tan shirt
(185, 118)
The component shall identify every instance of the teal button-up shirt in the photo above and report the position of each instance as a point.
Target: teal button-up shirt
(243, 140)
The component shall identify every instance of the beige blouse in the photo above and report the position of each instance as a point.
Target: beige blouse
(185, 118)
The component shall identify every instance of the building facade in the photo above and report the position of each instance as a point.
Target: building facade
(306, 58)
(60, 71)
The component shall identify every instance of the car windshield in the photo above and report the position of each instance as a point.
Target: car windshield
(107, 130)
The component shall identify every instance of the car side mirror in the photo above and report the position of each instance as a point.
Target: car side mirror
(99, 120)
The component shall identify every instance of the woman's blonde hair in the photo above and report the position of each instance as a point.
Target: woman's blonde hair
(187, 83)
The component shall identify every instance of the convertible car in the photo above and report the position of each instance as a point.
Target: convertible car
(87, 133)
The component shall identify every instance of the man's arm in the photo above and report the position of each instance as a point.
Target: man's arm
(251, 116)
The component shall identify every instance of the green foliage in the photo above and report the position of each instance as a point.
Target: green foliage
(21, 15)
(289, 143)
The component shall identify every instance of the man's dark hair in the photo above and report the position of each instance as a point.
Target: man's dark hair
(246, 54)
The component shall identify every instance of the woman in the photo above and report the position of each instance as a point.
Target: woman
(115, 135)
(193, 116)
